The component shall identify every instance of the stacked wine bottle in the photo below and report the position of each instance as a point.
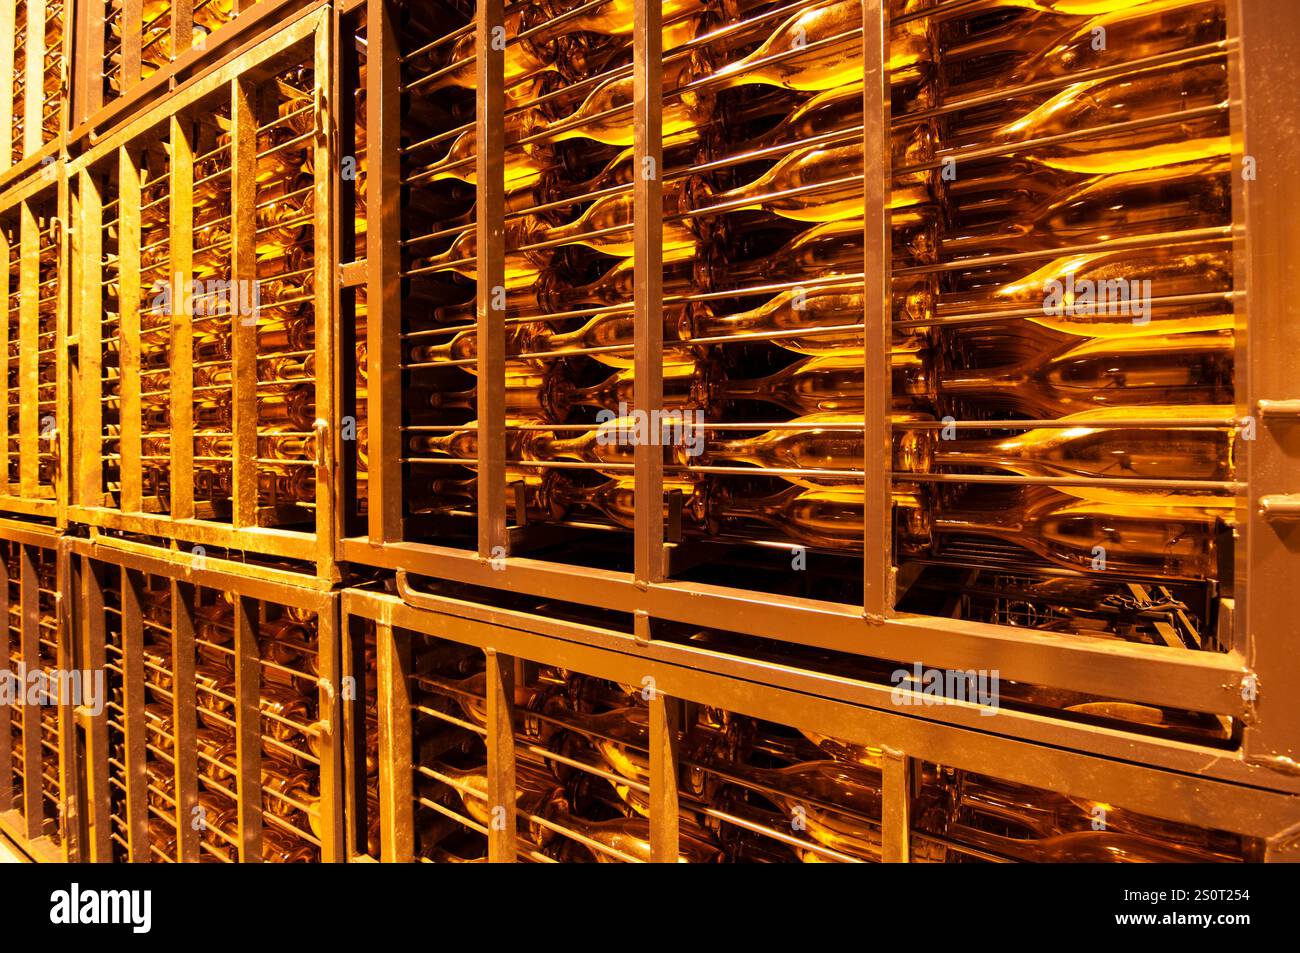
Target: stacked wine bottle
(749, 790)
(289, 762)
(1062, 298)
(31, 769)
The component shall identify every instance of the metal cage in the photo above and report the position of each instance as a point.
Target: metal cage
(652, 573)
(206, 416)
(219, 738)
(37, 770)
(494, 706)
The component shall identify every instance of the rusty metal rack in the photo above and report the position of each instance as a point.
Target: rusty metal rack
(553, 716)
(479, 512)
(223, 697)
(37, 770)
(203, 368)
(35, 51)
(34, 338)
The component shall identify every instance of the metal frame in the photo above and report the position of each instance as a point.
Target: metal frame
(91, 115)
(186, 573)
(310, 26)
(37, 151)
(24, 822)
(1151, 777)
(1233, 684)
(38, 433)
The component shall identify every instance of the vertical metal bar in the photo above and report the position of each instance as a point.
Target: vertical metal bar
(33, 781)
(89, 298)
(33, 106)
(6, 672)
(489, 131)
(245, 112)
(383, 281)
(9, 288)
(665, 723)
(28, 344)
(896, 808)
(1268, 340)
(182, 336)
(133, 719)
(185, 722)
(248, 729)
(61, 443)
(182, 26)
(877, 560)
(129, 298)
(396, 779)
(8, 30)
(647, 262)
(92, 630)
(70, 768)
(324, 260)
(132, 29)
(331, 724)
(502, 795)
(88, 59)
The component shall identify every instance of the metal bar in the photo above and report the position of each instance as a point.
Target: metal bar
(30, 633)
(490, 210)
(182, 26)
(877, 507)
(133, 719)
(247, 111)
(396, 777)
(89, 320)
(129, 300)
(94, 634)
(132, 29)
(87, 57)
(8, 29)
(29, 423)
(181, 234)
(647, 217)
(6, 672)
(501, 790)
(329, 726)
(896, 808)
(1268, 341)
(325, 289)
(189, 820)
(665, 725)
(248, 729)
(383, 284)
(8, 287)
(70, 767)
(34, 92)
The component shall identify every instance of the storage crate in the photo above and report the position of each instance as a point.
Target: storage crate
(219, 739)
(553, 733)
(447, 487)
(203, 379)
(37, 771)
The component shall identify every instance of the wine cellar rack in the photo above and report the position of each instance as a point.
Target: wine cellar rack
(589, 729)
(580, 430)
(221, 690)
(207, 423)
(36, 780)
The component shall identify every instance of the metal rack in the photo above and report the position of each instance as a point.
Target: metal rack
(507, 553)
(386, 632)
(34, 338)
(34, 55)
(35, 736)
(135, 191)
(201, 654)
